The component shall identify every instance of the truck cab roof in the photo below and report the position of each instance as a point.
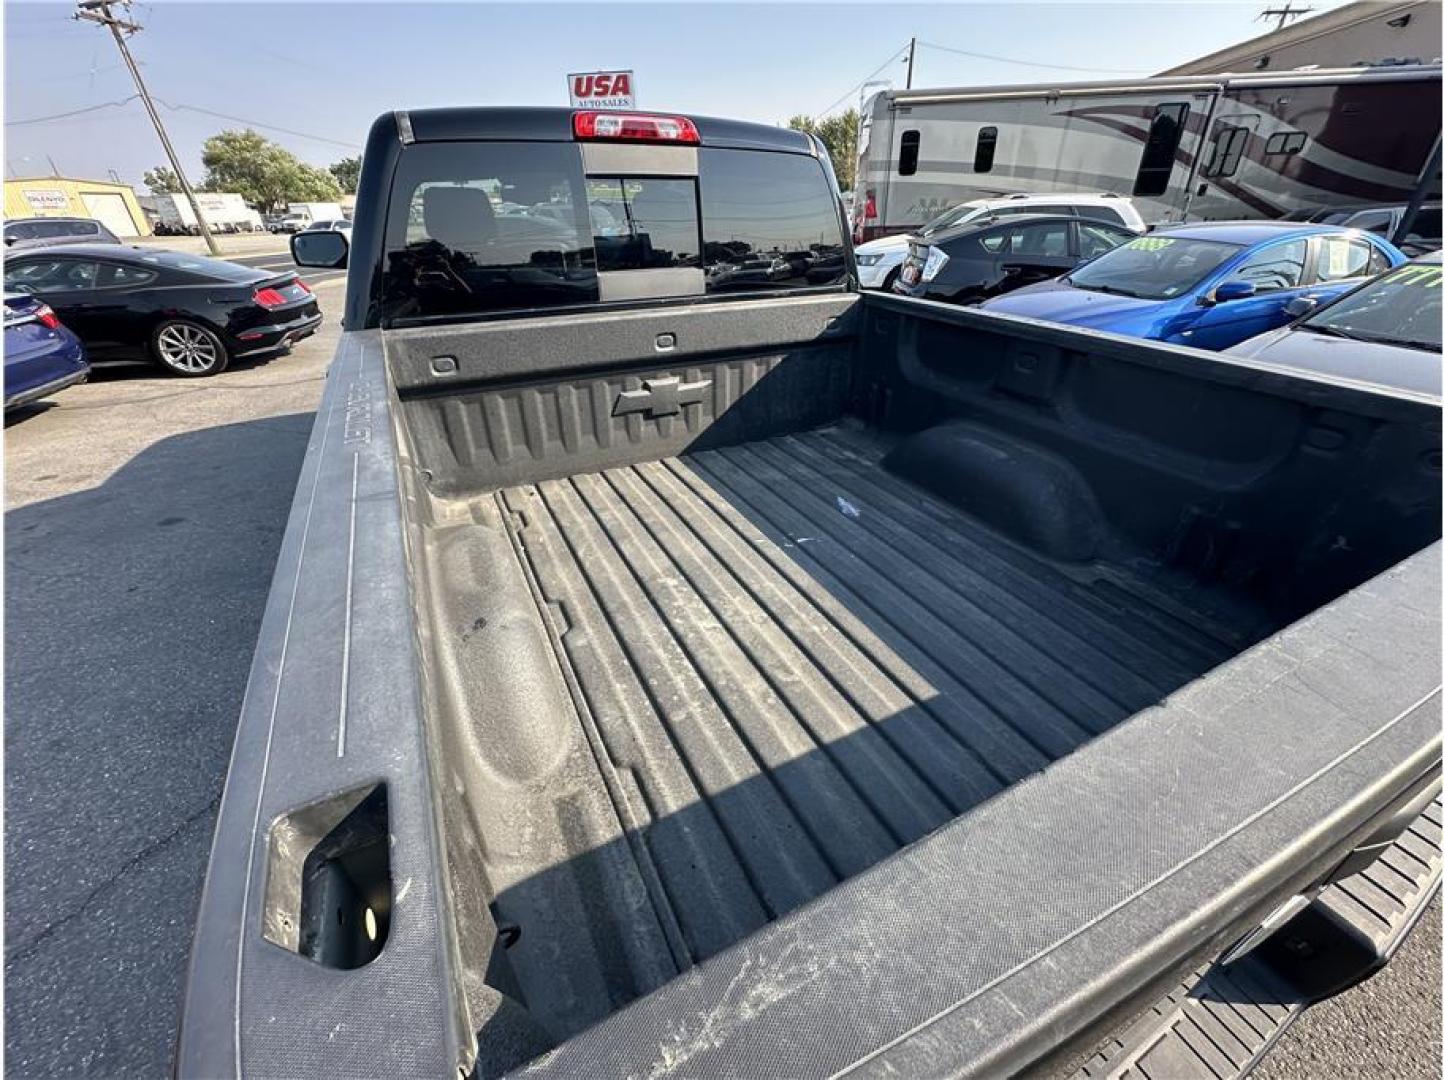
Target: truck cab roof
(554, 123)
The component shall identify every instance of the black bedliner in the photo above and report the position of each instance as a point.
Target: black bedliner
(792, 664)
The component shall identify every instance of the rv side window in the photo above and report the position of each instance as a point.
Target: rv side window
(907, 161)
(1285, 142)
(1156, 165)
(987, 146)
(1227, 151)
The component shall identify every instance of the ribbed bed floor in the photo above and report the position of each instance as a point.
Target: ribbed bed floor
(797, 664)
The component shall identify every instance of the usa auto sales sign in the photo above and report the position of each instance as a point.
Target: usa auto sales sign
(602, 90)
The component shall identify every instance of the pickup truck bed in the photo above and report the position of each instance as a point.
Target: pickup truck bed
(787, 664)
(723, 673)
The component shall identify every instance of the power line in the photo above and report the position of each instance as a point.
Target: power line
(1031, 63)
(259, 124)
(72, 112)
(182, 108)
(855, 86)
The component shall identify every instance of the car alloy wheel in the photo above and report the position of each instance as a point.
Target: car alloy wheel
(188, 349)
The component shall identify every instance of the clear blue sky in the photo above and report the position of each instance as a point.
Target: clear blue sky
(326, 70)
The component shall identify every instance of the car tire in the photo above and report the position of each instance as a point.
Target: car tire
(188, 349)
(891, 279)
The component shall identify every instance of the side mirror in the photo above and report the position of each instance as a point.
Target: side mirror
(326, 250)
(1300, 306)
(9, 240)
(1231, 290)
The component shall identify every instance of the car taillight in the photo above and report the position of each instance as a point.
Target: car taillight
(47, 317)
(869, 208)
(268, 298)
(636, 127)
(936, 259)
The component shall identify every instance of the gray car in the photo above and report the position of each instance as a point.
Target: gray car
(1386, 332)
(49, 231)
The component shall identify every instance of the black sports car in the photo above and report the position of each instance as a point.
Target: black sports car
(190, 314)
(988, 257)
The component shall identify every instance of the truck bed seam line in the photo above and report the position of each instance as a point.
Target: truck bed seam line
(346, 630)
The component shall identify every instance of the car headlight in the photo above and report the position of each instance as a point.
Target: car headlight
(871, 258)
(936, 260)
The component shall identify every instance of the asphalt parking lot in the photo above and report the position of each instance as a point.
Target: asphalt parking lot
(143, 518)
(144, 514)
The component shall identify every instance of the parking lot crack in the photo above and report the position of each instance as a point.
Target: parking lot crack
(24, 949)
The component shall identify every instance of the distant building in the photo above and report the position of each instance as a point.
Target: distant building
(113, 205)
(1363, 33)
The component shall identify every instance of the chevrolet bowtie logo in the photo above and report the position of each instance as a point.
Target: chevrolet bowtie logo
(661, 397)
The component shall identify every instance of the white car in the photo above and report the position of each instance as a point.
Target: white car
(340, 225)
(879, 261)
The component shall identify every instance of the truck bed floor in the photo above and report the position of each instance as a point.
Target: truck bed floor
(790, 664)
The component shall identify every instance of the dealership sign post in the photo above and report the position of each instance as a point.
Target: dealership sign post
(602, 90)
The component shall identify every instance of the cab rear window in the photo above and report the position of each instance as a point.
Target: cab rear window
(514, 227)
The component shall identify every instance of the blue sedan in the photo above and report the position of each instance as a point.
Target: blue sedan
(41, 356)
(1208, 285)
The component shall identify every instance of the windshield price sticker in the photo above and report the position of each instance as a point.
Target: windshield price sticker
(1149, 243)
(1426, 277)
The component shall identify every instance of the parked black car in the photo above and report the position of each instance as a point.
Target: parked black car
(1424, 234)
(989, 257)
(190, 314)
(50, 231)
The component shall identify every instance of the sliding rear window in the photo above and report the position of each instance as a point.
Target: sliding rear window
(490, 227)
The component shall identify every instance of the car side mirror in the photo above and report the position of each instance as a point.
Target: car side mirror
(1231, 290)
(1300, 306)
(9, 240)
(325, 250)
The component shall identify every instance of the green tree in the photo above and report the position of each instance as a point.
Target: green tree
(347, 172)
(839, 135)
(266, 175)
(162, 181)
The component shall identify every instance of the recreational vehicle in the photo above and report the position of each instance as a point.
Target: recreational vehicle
(1185, 147)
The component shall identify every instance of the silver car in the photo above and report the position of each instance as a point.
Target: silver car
(1385, 332)
(49, 231)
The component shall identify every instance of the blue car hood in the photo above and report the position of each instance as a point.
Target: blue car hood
(1060, 302)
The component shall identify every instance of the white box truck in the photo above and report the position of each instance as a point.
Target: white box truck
(313, 212)
(225, 212)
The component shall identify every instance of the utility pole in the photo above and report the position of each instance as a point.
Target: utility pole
(912, 51)
(1284, 14)
(98, 11)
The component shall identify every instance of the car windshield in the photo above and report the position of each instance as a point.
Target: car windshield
(1400, 308)
(955, 215)
(1153, 267)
